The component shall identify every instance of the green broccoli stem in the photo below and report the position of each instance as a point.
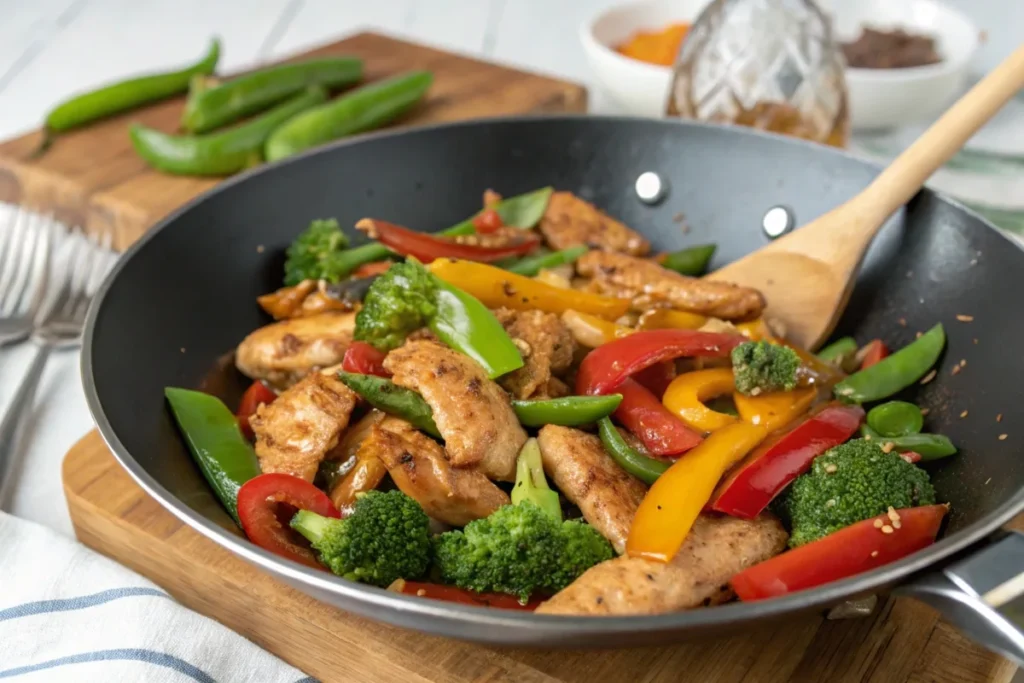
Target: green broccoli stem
(532, 485)
(311, 525)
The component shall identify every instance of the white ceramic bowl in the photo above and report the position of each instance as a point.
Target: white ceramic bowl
(878, 98)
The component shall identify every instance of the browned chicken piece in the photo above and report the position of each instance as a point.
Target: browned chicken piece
(556, 389)
(304, 423)
(472, 413)
(651, 286)
(584, 472)
(284, 352)
(545, 345)
(418, 467)
(716, 549)
(365, 473)
(570, 221)
(309, 297)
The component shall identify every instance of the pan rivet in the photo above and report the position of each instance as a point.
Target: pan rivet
(650, 188)
(777, 221)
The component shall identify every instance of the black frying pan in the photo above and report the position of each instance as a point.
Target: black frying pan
(185, 294)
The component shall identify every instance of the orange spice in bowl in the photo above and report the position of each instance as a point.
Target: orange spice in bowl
(655, 47)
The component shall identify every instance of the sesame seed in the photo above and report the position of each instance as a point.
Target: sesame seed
(887, 447)
(955, 370)
(929, 377)
(896, 524)
(259, 248)
(917, 335)
(182, 349)
(963, 362)
(999, 417)
(1002, 437)
(903, 322)
(867, 437)
(878, 524)
(874, 553)
(925, 411)
(893, 515)
(831, 467)
(964, 318)
(975, 340)
(421, 592)
(830, 503)
(886, 529)
(974, 261)
(963, 414)
(987, 481)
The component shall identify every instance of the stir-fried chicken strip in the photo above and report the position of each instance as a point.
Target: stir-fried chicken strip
(309, 297)
(570, 221)
(472, 413)
(716, 549)
(584, 472)
(304, 423)
(284, 352)
(418, 467)
(545, 345)
(366, 473)
(651, 286)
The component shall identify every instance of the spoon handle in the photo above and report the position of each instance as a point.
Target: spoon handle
(907, 173)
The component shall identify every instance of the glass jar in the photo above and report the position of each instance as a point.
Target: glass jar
(768, 64)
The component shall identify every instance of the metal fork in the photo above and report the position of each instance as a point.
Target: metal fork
(86, 263)
(24, 267)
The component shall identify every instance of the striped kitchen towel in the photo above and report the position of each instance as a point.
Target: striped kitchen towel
(69, 614)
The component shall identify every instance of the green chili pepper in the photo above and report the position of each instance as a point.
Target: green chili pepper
(896, 418)
(836, 352)
(569, 411)
(521, 211)
(217, 445)
(125, 95)
(643, 467)
(388, 397)
(223, 152)
(895, 372)
(692, 261)
(211, 107)
(365, 108)
(531, 265)
(928, 446)
(466, 325)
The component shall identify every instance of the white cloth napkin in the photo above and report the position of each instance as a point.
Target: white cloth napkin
(70, 614)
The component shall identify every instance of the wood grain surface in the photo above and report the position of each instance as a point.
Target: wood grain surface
(94, 179)
(902, 641)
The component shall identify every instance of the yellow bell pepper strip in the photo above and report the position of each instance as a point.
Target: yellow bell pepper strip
(757, 330)
(687, 393)
(496, 288)
(775, 410)
(673, 502)
(668, 319)
(591, 331)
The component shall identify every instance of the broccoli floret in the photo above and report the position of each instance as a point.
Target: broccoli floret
(385, 538)
(314, 255)
(521, 548)
(760, 367)
(850, 483)
(399, 302)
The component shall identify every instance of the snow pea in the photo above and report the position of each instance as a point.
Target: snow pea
(212, 107)
(838, 350)
(223, 152)
(928, 446)
(643, 467)
(118, 97)
(531, 265)
(896, 418)
(388, 397)
(217, 445)
(692, 261)
(363, 109)
(568, 411)
(895, 372)
(466, 325)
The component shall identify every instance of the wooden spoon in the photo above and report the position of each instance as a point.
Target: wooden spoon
(807, 276)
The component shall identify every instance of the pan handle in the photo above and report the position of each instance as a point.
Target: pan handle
(982, 595)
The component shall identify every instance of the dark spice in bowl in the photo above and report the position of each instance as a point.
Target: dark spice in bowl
(897, 49)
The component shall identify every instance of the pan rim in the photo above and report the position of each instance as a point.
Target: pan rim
(506, 620)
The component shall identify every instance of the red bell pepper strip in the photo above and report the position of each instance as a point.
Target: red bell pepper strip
(657, 377)
(769, 469)
(259, 503)
(487, 221)
(858, 548)
(364, 359)
(258, 393)
(643, 414)
(874, 351)
(608, 365)
(427, 247)
(437, 591)
(371, 269)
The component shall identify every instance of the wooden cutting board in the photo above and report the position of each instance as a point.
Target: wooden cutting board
(903, 641)
(92, 177)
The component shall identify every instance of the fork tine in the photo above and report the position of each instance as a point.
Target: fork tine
(32, 245)
(100, 264)
(62, 290)
(40, 274)
(82, 259)
(12, 262)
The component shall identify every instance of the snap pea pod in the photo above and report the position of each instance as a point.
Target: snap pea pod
(223, 152)
(568, 411)
(125, 95)
(212, 107)
(838, 350)
(895, 372)
(643, 467)
(928, 446)
(896, 418)
(531, 265)
(365, 108)
(466, 325)
(217, 445)
(388, 397)
(692, 261)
